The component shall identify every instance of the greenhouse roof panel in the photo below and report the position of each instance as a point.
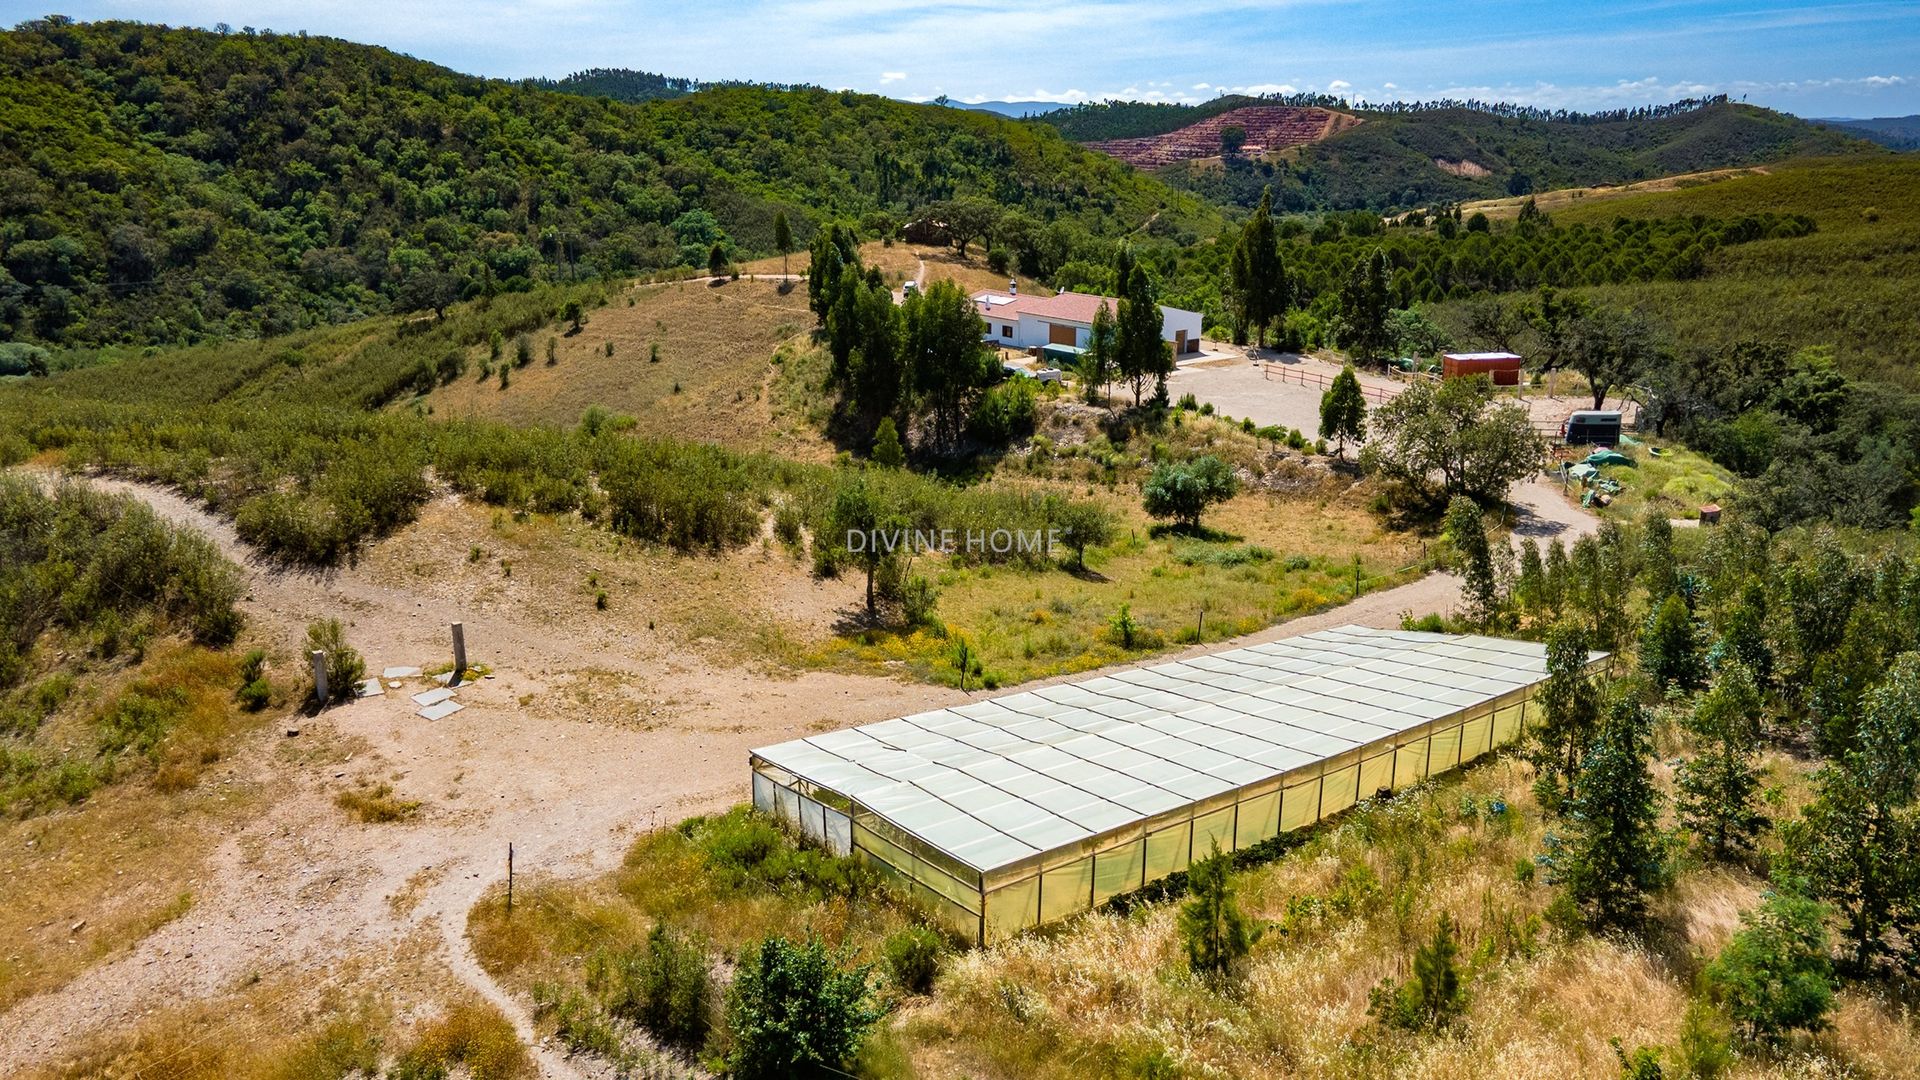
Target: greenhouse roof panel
(995, 781)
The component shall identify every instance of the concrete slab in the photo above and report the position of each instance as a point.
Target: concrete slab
(432, 697)
(445, 678)
(371, 688)
(442, 710)
(400, 673)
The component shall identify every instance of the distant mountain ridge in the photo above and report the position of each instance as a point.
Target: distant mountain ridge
(1406, 154)
(1893, 132)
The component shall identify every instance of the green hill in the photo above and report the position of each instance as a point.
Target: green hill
(1418, 155)
(162, 185)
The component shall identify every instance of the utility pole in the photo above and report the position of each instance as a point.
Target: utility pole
(509, 877)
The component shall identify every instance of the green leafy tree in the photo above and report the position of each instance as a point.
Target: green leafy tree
(1343, 410)
(859, 526)
(1366, 296)
(1413, 334)
(1569, 705)
(1718, 788)
(1466, 531)
(1217, 934)
(1553, 315)
(1435, 996)
(717, 261)
(573, 313)
(1743, 635)
(887, 450)
(1437, 440)
(1612, 348)
(1670, 647)
(1611, 856)
(967, 218)
(947, 366)
(1857, 844)
(1183, 490)
(782, 239)
(797, 1009)
(1776, 974)
(1083, 524)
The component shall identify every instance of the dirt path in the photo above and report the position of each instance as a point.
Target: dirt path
(304, 886)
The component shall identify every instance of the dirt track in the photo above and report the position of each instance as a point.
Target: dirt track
(303, 885)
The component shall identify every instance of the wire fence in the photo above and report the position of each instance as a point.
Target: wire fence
(1319, 381)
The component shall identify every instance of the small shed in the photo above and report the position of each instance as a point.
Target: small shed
(1502, 367)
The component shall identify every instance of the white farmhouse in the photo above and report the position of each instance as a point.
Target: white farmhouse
(1025, 322)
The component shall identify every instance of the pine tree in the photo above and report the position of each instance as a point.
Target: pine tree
(1343, 410)
(1435, 996)
(1365, 301)
(1096, 365)
(1569, 704)
(1216, 933)
(1466, 530)
(782, 239)
(1141, 352)
(1530, 586)
(1718, 787)
(886, 445)
(1611, 856)
(1258, 276)
(1669, 648)
(1857, 843)
(1657, 566)
(1559, 574)
(1743, 636)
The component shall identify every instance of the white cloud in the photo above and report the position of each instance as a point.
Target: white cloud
(1339, 86)
(891, 77)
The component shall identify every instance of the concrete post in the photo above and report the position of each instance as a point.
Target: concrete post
(459, 650)
(319, 659)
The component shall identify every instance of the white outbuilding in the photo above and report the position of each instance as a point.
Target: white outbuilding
(1026, 322)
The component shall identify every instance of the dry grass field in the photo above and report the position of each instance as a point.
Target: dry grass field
(716, 344)
(1109, 995)
(901, 261)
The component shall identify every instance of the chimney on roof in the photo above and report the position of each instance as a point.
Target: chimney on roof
(1013, 287)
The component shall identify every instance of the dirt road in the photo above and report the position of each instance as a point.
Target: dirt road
(580, 739)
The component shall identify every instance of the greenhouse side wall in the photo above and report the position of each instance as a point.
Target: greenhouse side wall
(1060, 883)
(946, 887)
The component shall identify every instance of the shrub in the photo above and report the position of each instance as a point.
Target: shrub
(345, 668)
(1184, 490)
(376, 804)
(665, 987)
(475, 1036)
(1122, 629)
(913, 958)
(796, 1007)
(522, 354)
(1776, 975)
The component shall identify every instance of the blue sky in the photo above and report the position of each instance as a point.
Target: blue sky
(1820, 59)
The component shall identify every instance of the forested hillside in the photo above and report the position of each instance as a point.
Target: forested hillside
(165, 186)
(620, 84)
(1413, 155)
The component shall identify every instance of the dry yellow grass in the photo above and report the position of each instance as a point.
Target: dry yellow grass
(1559, 198)
(86, 882)
(901, 261)
(716, 345)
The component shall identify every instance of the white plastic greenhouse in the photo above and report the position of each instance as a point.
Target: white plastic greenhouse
(1007, 813)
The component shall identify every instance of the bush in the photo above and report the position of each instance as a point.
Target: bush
(665, 987)
(1184, 490)
(1004, 412)
(345, 668)
(1776, 975)
(794, 1008)
(913, 958)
